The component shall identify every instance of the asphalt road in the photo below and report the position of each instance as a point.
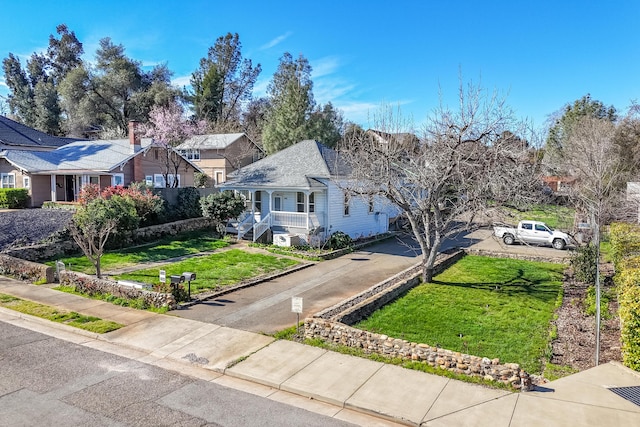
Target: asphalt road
(45, 381)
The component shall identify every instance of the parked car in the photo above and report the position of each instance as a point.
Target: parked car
(532, 232)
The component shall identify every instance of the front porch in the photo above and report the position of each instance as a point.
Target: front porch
(282, 213)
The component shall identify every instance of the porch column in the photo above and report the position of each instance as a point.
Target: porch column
(253, 203)
(53, 188)
(270, 193)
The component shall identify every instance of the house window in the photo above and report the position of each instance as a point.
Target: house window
(95, 180)
(174, 180)
(7, 180)
(158, 181)
(117, 179)
(219, 177)
(191, 154)
(371, 205)
(258, 201)
(312, 202)
(148, 180)
(346, 204)
(26, 182)
(300, 201)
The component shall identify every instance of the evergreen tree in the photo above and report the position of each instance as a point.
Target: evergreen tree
(223, 83)
(291, 98)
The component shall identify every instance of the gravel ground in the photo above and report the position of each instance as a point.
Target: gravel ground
(575, 345)
(26, 226)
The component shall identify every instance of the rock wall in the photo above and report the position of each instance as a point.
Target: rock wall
(59, 249)
(25, 270)
(92, 285)
(459, 363)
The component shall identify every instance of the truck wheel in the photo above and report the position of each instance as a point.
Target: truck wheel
(508, 239)
(558, 244)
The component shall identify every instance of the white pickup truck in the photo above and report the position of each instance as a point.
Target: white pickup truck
(532, 232)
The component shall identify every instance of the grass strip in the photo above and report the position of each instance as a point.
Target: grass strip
(71, 318)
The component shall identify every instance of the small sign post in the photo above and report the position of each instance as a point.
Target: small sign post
(296, 307)
(163, 276)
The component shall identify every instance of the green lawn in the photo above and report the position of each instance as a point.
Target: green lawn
(482, 306)
(554, 216)
(173, 247)
(221, 269)
(71, 318)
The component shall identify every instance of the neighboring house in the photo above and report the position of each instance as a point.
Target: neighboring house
(58, 175)
(217, 155)
(16, 136)
(298, 194)
(559, 184)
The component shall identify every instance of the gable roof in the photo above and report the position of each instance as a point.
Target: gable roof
(218, 141)
(14, 134)
(297, 166)
(79, 156)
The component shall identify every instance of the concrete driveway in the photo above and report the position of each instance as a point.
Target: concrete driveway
(266, 308)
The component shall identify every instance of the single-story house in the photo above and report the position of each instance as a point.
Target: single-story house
(58, 175)
(301, 195)
(559, 184)
(217, 155)
(16, 136)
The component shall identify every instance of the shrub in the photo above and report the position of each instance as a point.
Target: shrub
(584, 262)
(339, 240)
(200, 180)
(625, 241)
(188, 203)
(13, 198)
(590, 303)
(221, 207)
(628, 280)
(147, 204)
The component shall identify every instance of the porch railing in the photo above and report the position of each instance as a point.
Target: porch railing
(261, 227)
(245, 226)
(293, 219)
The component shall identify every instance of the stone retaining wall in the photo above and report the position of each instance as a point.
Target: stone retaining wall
(25, 270)
(536, 258)
(459, 363)
(59, 249)
(92, 285)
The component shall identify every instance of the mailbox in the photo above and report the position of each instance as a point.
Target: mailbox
(189, 276)
(177, 280)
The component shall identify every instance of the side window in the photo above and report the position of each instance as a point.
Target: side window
(527, 226)
(540, 227)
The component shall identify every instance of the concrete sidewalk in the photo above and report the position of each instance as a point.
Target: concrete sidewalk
(360, 391)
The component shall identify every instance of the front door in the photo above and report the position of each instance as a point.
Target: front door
(277, 203)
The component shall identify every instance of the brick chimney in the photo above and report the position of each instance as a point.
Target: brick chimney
(134, 136)
(136, 146)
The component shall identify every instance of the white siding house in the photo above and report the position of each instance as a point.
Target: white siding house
(300, 192)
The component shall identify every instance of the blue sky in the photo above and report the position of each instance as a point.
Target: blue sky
(540, 54)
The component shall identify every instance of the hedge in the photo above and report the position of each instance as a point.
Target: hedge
(13, 198)
(625, 242)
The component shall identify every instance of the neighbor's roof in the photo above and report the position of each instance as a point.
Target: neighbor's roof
(18, 135)
(218, 141)
(96, 156)
(297, 166)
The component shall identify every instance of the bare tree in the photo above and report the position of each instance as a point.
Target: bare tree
(596, 160)
(461, 165)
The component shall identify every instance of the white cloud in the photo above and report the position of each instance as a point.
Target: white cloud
(182, 81)
(276, 41)
(324, 66)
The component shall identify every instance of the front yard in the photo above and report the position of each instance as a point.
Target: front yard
(489, 307)
(216, 270)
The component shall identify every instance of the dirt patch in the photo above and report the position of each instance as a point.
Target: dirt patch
(575, 345)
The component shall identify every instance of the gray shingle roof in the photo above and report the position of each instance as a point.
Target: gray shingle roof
(212, 141)
(17, 135)
(296, 166)
(98, 156)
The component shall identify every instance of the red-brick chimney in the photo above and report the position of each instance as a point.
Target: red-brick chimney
(136, 146)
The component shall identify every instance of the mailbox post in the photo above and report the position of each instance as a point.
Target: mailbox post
(188, 276)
